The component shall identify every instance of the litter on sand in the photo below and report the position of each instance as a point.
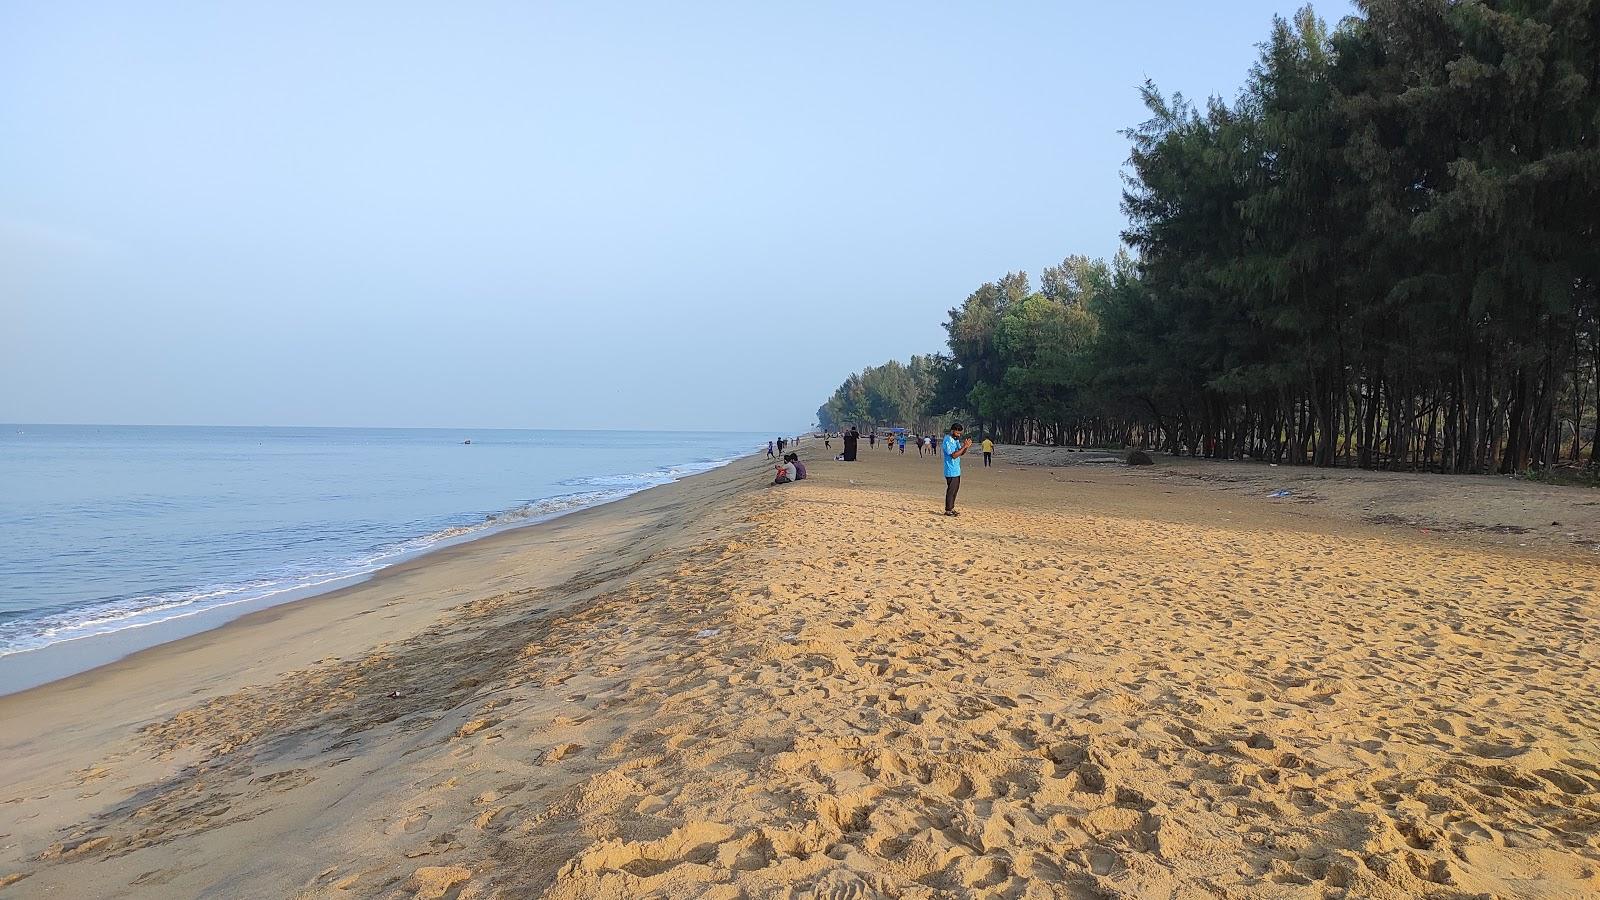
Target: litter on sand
(1280, 493)
(708, 632)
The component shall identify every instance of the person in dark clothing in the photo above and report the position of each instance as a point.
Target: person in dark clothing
(851, 438)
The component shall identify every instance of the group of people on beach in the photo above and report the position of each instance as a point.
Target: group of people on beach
(897, 440)
(952, 448)
(790, 470)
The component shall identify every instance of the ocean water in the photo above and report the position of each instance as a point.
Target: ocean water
(110, 528)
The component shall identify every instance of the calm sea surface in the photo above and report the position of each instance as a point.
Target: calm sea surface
(105, 528)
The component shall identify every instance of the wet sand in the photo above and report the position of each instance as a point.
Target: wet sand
(1098, 682)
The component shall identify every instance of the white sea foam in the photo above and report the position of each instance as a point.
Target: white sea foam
(650, 478)
(44, 628)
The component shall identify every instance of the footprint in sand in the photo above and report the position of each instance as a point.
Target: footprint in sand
(410, 824)
(475, 726)
(558, 753)
(1103, 862)
(487, 819)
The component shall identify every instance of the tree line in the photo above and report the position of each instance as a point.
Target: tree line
(1383, 253)
(894, 393)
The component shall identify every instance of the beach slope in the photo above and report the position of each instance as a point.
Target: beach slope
(1096, 683)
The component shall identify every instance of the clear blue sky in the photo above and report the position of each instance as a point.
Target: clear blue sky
(518, 214)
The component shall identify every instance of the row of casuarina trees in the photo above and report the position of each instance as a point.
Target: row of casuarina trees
(1383, 253)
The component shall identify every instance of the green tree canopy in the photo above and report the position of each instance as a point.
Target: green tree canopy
(1383, 252)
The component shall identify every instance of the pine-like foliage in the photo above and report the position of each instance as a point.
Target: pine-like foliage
(1385, 252)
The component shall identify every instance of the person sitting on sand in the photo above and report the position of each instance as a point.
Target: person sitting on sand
(799, 467)
(787, 473)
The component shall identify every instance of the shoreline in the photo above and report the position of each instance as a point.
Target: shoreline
(1107, 682)
(26, 670)
(87, 729)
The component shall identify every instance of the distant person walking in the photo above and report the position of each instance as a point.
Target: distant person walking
(872, 439)
(770, 453)
(988, 452)
(901, 440)
(827, 440)
(954, 448)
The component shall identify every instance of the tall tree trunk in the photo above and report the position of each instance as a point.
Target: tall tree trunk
(1365, 451)
(1515, 456)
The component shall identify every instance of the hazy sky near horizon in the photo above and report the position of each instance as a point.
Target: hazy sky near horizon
(546, 215)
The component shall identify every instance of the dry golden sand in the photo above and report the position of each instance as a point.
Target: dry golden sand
(1096, 683)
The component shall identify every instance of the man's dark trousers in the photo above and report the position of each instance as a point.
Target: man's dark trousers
(952, 483)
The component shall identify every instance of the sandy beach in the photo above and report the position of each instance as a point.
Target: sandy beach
(1098, 682)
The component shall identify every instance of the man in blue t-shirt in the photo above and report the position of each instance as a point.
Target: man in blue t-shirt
(953, 449)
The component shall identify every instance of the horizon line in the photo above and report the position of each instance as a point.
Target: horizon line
(383, 427)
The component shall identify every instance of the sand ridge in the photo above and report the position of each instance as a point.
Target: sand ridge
(1091, 685)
